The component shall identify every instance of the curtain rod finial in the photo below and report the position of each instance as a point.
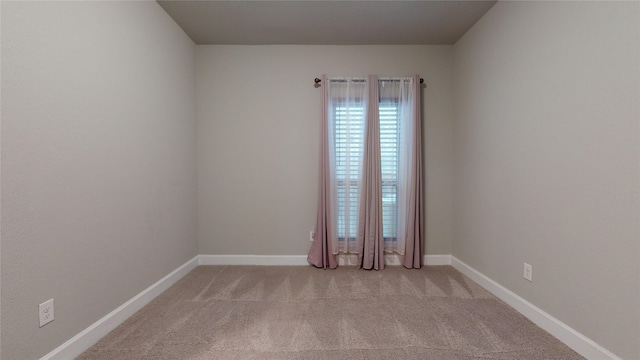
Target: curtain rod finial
(316, 80)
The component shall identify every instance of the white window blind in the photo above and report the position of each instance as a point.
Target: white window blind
(389, 131)
(349, 142)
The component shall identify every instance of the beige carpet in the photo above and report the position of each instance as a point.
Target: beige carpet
(300, 312)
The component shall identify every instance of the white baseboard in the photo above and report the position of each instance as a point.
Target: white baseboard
(252, 260)
(343, 260)
(572, 338)
(89, 336)
(85, 339)
(437, 260)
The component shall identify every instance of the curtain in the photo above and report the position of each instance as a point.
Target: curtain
(410, 205)
(321, 254)
(370, 238)
(368, 204)
(348, 112)
(405, 92)
(341, 142)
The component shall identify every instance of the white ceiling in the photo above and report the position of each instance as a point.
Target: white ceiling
(310, 22)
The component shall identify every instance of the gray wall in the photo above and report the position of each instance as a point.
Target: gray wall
(98, 162)
(547, 160)
(539, 161)
(258, 122)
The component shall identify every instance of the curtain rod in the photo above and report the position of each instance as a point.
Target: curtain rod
(318, 81)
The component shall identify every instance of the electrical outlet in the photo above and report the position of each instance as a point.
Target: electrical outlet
(528, 272)
(312, 233)
(46, 312)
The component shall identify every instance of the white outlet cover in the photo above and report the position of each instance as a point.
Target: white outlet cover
(46, 312)
(528, 272)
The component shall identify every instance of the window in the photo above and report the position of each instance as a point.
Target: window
(349, 142)
(381, 169)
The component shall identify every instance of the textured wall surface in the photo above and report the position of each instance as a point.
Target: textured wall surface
(258, 124)
(98, 162)
(547, 160)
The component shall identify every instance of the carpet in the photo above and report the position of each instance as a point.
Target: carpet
(300, 312)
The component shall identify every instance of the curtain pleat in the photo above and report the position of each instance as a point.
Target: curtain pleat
(370, 236)
(414, 229)
(320, 254)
